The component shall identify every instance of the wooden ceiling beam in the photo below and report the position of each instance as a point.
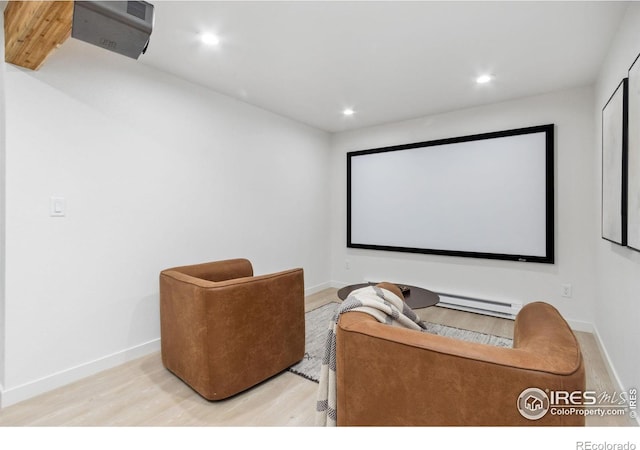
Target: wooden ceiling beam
(34, 29)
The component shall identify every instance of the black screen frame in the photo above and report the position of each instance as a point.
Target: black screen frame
(547, 258)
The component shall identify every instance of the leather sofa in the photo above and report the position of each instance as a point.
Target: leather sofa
(224, 330)
(390, 376)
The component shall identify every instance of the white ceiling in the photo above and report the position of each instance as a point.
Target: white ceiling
(388, 60)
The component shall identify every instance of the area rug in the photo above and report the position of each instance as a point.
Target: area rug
(317, 326)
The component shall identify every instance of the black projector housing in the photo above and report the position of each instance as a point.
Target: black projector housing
(122, 27)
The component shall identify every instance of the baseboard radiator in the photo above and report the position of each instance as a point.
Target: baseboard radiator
(497, 308)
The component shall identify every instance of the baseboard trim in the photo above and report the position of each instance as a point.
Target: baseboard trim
(13, 395)
(580, 325)
(607, 359)
(609, 365)
(317, 288)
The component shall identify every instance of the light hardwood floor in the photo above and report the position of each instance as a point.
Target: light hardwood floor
(143, 393)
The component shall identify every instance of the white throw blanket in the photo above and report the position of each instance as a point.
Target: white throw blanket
(385, 307)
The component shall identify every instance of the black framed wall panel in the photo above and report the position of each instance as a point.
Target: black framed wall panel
(614, 166)
(633, 157)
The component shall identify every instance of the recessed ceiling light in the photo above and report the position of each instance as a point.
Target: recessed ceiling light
(348, 112)
(209, 39)
(484, 79)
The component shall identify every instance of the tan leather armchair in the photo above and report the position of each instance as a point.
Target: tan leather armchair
(224, 330)
(393, 376)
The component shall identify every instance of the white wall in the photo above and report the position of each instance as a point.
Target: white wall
(617, 268)
(156, 173)
(571, 112)
(2, 200)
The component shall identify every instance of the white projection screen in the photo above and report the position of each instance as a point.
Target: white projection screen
(482, 196)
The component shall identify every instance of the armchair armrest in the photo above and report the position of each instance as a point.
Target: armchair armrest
(216, 271)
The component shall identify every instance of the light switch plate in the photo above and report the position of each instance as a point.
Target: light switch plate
(58, 207)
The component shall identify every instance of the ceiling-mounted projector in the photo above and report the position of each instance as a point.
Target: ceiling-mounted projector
(119, 26)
